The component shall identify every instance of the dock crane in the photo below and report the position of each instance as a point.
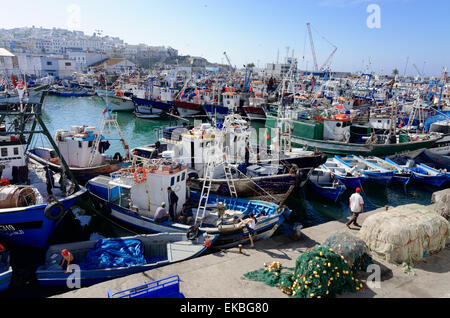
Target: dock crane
(316, 67)
(417, 69)
(228, 60)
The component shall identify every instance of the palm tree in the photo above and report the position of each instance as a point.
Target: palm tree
(395, 72)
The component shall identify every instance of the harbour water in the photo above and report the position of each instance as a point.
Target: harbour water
(310, 210)
(84, 223)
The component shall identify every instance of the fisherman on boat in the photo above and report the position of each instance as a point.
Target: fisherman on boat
(186, 216)
(356, 207)
(249, 224)
(161, 214)
(173, 201)
(67, 257)
(50, 181)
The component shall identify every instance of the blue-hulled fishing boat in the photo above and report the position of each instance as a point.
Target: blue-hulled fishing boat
(135, 204)
(325, 184)
(106, 259)
(152, 108)
(29, 212)
(422, 173)
(351, 178)
(371, 171)
(401, 175)
(5, 269)
(216, 111)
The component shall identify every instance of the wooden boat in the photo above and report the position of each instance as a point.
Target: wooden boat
(351, 178)
(77, 148)
(402, 176)
(188, 109)
(134, 204)
(157, 250)
(119, 103)
(371, 171)
(326, 185)
(422, 173)
(5, 269)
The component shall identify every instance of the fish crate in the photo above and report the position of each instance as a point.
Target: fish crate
(164, 288)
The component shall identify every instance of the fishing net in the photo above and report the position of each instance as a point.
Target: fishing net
(441, 200)
(406, 233)
(318, 273)
(354, 250)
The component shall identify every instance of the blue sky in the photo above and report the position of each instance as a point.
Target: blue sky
(254, 30)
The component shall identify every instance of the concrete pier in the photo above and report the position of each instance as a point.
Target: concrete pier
(220, 275)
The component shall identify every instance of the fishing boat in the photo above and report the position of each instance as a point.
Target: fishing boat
(189, 109)
(119, 102)
(255, 110)
(371, 171)
(338, 136)
(351, 178)
(5, 269)
(63, 91)
(323, 182)
(106, 259)
(422, 173)
(402, 176)
(84, 149)
(132, 196)
(28, 215)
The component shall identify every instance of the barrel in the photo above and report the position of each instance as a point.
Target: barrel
(403, 138)
(16, 197)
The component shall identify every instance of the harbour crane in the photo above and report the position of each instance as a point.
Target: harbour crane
(316, 67)
(417, 69)
(228, 60)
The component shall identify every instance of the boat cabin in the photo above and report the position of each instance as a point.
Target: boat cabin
(12, 159)
(76, 146)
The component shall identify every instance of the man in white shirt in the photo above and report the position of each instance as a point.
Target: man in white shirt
(356, 207)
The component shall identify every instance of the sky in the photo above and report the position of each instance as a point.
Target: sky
(374, 35)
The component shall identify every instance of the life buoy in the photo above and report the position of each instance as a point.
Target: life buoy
(140, 175)
(192, 233)
(50, 209)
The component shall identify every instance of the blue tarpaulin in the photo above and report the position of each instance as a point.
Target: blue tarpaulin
(114, 253)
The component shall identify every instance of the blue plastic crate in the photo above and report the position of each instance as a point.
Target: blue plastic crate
(164, 288)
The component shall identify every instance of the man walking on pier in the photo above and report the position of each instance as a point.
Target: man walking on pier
(356, 207)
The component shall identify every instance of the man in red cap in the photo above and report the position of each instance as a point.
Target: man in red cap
(356, 207)
(67, 257)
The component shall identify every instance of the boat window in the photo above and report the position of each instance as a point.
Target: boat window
(80, 144)
(338, 124)
(16, 151)
(172, 181)
(4, 152)
(178, 179)
(183, 176)
(90, 144)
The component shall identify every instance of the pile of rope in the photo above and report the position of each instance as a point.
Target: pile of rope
(318, 273)
(354, 250)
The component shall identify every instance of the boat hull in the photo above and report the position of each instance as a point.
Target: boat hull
(5, 280)
(225, 240)
(186, 109)
(331, 193)
(29, 226)
(82, 175)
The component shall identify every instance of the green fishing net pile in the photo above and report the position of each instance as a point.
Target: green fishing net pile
(318, 273)
(354, 250)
